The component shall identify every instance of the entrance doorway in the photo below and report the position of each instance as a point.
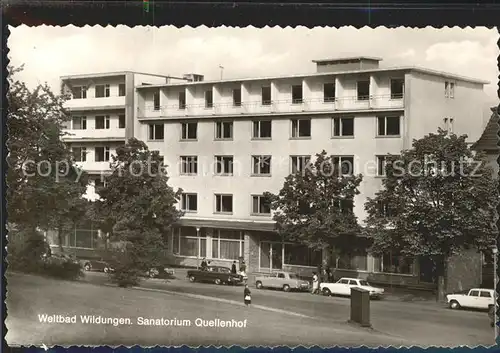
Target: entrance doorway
(271, 256)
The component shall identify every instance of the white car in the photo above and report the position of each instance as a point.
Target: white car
(343, 287)
(477, 298)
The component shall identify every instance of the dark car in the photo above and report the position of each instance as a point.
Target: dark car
(161, 272)
(97, 265)
(214, 274)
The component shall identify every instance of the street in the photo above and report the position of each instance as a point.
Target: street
(274, 317)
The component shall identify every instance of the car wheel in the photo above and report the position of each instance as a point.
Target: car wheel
(258, 284)
(87, 267)
(454, 304)
(326, 292)
(106, 270)
(192, 279)
(218, 281)
(286, 288)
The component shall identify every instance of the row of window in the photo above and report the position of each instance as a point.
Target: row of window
(101, 154)
(297, 94)
(262, 129)
(261, 165)
(101, 91)
(223, 203)
(101, 122)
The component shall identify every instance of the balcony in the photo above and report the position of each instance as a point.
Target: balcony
(114, 102)
(93, 167)
(94, 134)
(312, 105)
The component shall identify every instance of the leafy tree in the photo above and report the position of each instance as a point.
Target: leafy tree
(45, 186)
(438, 198)
(139, 207)
(314, 206)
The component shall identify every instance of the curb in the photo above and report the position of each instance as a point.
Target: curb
(226, 301)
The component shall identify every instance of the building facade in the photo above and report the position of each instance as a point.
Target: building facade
(227, 142)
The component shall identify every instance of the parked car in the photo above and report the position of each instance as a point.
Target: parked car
(343, 287)
(282, 280)
(214, 274)
(96, 265)
(476, 298)
(161, 272)
(491, 315)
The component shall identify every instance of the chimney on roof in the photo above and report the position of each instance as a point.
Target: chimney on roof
(193, 77)
(347, 64)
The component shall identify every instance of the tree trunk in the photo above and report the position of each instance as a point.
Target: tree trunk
(441, 278)
(59, 239)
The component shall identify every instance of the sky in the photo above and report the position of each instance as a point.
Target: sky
(50, 52)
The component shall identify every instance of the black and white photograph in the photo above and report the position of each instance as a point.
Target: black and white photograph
(254, 187)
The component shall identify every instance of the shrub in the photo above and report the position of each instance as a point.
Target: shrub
(63, 267)
(25, 250)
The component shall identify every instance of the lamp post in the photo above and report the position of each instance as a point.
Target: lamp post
(198, 242)
(495, 251)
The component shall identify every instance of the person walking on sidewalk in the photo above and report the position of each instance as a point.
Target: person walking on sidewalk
(247, 295)
(233, 268)
(315, 283)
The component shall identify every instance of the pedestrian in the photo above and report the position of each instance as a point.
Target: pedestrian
(315, 284)
(233, 268)
(246, 295)
(203, 264)
(329, 275)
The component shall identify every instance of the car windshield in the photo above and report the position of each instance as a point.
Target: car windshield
(363, 283)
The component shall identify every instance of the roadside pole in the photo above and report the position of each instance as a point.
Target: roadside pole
(495, 251)
(198, 242)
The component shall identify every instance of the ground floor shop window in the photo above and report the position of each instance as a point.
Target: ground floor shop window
(302, 255)
(356, 262)
(188, 242)
(394, 264)
(227, 244)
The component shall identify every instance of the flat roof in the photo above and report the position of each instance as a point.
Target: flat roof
(110, 74)
(319, 74)
(332, 60)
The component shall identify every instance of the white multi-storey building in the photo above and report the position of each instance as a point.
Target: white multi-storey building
(227, 142)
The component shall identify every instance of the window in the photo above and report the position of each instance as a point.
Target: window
(449, 89)
(188, 242)
(343, 127)
(301, 255)
(261, 165)
(121, 121)
(260, 205)
(329, 92)
(182, 100)
(357, 261)
(394, 264)
(301, 128)
(209, 99)
(121, 89)
(266, 95)
(299, 163)
(397, 88)
(485, 294)
(363, 90)
(223, 130)
(156, 100)
(296, 94)
(99, 183)
(79, 122)
(79, 92)
(237, 97)
(102, 122)
(102, 154)
(381, 164)
(156, 131)
(189, 131)
(101, 91)
(189, 165)
(262, 129)
(223, 203)
(388, 126)
(344, 165)
(80, 154)
(224, 165)
(474, 293)
(227, 244)
(189, 202)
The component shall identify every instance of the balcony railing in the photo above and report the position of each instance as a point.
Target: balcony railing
(386, 101)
